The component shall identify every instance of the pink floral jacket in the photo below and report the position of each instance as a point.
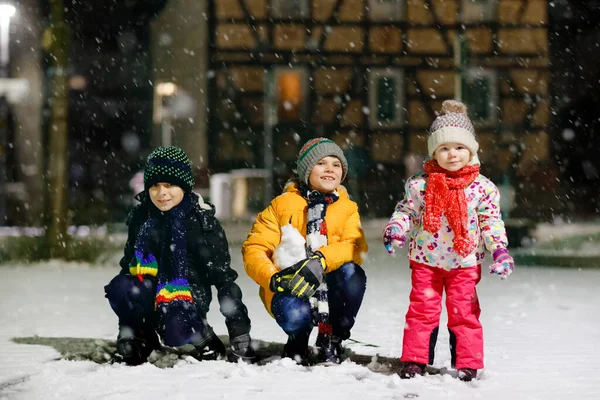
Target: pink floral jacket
(435, 249)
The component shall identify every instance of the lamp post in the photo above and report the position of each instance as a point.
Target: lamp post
(7, 11)
(162, 112)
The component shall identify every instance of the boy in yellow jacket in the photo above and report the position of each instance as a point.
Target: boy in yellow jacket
(318, 207)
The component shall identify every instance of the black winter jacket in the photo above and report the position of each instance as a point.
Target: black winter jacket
(209, 262)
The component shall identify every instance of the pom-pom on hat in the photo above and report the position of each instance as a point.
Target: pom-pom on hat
(171, 165)
(314, 150)
(452, 125)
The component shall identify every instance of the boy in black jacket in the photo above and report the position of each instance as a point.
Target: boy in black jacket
(176, 250)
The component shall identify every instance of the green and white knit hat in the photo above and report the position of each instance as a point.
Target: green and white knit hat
(171, 165)
(313, 151)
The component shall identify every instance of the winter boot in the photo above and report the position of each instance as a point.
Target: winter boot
(411, 370)
(213, 349)
(242, 349)
(296, 348)
(330, 349)
(467, 374)
(133, 348)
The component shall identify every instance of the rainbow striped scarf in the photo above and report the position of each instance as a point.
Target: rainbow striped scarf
(173, 286)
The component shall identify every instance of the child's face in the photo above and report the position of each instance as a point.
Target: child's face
(326, 176)
(452, 156)
(165, 196)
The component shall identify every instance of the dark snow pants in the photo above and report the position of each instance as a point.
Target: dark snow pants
(423, 316)
(133, 302)
(346, 288)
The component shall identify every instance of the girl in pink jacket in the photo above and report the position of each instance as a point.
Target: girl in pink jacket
(448, 214)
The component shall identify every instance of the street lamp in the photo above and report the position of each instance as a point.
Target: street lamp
(162, 113)
(7, 11)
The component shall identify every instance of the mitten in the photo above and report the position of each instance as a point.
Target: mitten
(301, 279)
(503, 263)
(241, 349)
(393, 235)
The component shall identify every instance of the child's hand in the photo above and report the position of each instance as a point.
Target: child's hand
(301, 279)
(393, 236)
(503, 263)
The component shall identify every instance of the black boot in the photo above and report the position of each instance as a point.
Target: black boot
(213, 349)
(242, 349)
(296, 348)
(134, 347)
(330, 349)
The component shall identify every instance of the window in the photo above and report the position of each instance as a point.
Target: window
(386, 10)
(286, 94)
(479, 93)
(289, 8)
(478, 10)
(386, 98)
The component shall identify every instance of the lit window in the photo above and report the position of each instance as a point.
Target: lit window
(290, 93)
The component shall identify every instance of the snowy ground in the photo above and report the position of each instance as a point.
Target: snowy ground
(541, 329)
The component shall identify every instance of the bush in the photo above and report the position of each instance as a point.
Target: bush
(91, 249)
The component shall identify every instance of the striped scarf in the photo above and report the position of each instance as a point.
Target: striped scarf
(316, 227)
(316, 237)
(173, 285)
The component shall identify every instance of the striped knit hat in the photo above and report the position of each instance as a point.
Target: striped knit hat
(313, 151)
(452, 125)
(171, 165)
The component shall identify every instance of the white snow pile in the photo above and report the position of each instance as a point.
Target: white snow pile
(291, 249)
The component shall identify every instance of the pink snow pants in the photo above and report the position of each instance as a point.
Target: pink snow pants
(423, 316)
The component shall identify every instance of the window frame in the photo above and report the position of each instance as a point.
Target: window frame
(492, 77)
(304, 75)
(375, 74)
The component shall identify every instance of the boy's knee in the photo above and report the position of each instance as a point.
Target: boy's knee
(131, 288)
(352, 277)
(292, 314)
(130, 299)
(350, 271)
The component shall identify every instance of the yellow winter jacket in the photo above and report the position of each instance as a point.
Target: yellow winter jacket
(346, 239)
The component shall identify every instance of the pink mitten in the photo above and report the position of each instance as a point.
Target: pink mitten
(503, 263)
(393, 236)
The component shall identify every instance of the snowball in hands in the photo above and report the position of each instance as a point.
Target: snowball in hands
(291, 249)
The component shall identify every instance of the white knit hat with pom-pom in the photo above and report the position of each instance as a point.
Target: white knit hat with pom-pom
(452, 125)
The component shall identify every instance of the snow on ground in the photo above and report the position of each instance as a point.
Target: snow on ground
(541, 328)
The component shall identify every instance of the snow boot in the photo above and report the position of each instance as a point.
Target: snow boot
(135, 346)
(411, 370)
(133, 350)
(242, 349)
(330, 349)
(296, 348)
(213, 349)
(467, 374)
